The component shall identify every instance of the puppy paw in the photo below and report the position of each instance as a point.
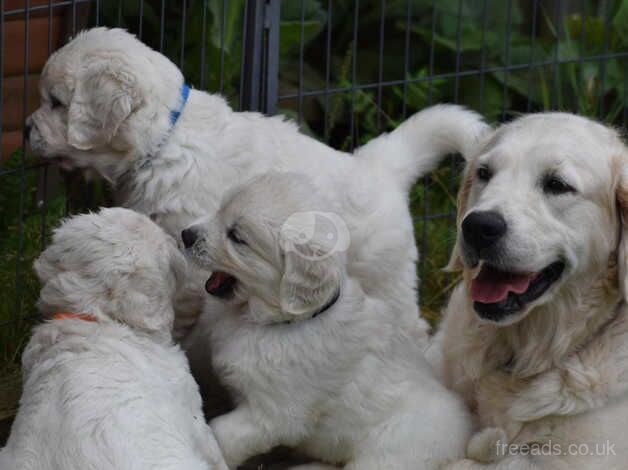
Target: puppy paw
(484, 446)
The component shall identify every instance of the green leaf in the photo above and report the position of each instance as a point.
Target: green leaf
(311, 10)
(620, 22)
(290, 35)
(233, 19)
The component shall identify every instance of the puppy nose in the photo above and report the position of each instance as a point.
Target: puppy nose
(189, 237)
(27, 130)
(483, 229)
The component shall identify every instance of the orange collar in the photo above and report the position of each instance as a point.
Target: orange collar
(74, 316)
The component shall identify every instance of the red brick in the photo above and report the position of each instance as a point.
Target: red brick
(10, 5)
(12, 101)
(14, 47)
(11, 141)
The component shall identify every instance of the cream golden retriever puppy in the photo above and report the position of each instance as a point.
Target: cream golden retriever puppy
(536, 336)
(313, 360)
(104, 385)
(112, 105)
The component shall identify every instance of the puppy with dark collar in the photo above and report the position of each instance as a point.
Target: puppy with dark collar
(113, 107)
(314, 362)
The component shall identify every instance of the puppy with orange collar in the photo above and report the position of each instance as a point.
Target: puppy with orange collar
(104, 385)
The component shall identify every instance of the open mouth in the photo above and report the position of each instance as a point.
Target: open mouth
(497, 294)
(220, 284)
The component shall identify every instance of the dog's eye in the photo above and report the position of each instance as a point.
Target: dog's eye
(55, 103)
(552, 184)
(483, 173)
(232, 235)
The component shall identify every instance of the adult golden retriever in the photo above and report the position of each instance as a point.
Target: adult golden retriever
(536, 335)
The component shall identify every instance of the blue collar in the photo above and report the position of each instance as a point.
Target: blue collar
(174, 115)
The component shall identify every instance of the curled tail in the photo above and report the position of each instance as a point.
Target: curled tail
(418, 145)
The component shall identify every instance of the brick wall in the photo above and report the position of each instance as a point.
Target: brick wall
(47, 29)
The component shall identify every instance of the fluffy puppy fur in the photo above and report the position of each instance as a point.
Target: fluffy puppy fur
(106, 103)
(114, 392)
(314, 361)
(536, 335)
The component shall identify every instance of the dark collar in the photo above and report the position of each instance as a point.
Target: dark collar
(330, 303)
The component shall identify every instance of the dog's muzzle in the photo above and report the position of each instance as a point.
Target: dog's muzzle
(189, 237)
(482, 230)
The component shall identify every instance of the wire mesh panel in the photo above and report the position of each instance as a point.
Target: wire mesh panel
(352, 69)
(204, 38)
(345, 70)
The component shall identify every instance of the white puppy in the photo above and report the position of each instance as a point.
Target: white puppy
(104, 386)
(314, 361)
(536, 337)
(112, 105)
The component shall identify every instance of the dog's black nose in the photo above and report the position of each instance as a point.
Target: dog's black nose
(189, 237)
(483, 229)
(27, 131)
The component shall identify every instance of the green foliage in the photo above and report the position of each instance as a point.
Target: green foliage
(209, 29)
(21, 239)
(479, 39)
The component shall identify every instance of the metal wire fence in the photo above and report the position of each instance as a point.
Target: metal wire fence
(346, 70)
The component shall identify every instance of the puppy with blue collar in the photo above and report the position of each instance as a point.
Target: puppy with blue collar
(111, 106)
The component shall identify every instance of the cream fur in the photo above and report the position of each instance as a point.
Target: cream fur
(116, 393)
(116, 97)
(349, 385)
(558, 372)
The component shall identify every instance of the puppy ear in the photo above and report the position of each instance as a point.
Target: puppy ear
(308, 283)
(137, 302)
(64, 291)
(312, 270)
(106, 93)
(622, 215)
(141, 303)
(455, 260)
(179, 265)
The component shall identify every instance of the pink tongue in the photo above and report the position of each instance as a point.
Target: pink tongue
(214, 281)
(492, 286)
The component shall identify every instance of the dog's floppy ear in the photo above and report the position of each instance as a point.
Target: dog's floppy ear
(455, 260)
(63, 290)
(133, 301)
(106, 94)
(140, 303)
(622, 209)
(486, 140)
(312, 268)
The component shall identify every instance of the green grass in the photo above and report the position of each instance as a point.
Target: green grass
(20, 243)
(433, 205)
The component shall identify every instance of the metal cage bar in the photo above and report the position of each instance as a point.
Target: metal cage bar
(260, 56)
